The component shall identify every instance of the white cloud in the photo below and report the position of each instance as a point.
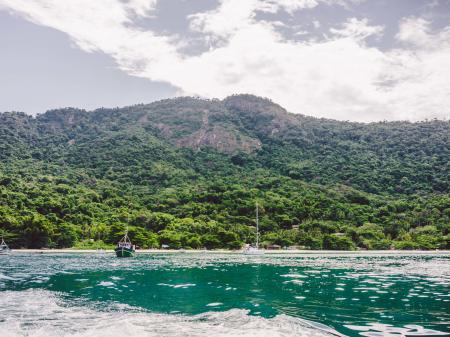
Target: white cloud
(417, 31)
(228, 19)
(289, 6)
(421, 75)
(102, 25)
(357, 29)
(292, 6)
(141, 8)
(339, 77)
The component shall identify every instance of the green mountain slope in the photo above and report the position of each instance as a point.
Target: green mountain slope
(187, 172)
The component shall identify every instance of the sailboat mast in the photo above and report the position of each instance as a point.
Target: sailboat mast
(257, 227)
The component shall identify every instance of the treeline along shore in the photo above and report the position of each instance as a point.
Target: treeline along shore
(230, 251)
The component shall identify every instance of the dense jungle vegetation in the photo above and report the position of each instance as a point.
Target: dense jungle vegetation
(187, 173)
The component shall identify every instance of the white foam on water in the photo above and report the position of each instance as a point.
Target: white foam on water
(294, 275)
(214, 304)
(41, 313)
(9, 278)
(184, 285)
(387, 330)
(177, 286)
(106, 284)
(295, 281)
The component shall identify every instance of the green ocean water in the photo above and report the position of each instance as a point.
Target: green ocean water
(205, 294)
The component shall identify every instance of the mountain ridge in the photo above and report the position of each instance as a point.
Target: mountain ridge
(208, 161)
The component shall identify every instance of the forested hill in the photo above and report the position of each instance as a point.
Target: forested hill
(187, 172)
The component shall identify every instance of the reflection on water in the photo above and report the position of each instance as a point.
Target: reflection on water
(355, 295)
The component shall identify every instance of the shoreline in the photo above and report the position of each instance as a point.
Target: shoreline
(224, 251)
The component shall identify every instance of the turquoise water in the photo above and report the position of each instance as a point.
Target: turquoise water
(204, 294)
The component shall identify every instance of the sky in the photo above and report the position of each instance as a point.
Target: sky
(358, 60)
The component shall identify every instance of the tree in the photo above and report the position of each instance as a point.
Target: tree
(37, 231)
(335, 242)
(170, 238)
(66, 235)
(211, 241)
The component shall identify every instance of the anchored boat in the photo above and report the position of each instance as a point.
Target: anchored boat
(4, 249)
(124, 247)
(255, 250)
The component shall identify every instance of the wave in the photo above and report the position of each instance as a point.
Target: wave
(37, 313)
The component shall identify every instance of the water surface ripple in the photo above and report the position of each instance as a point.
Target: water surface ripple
(204, 294)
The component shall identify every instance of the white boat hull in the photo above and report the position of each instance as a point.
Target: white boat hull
(254, 251)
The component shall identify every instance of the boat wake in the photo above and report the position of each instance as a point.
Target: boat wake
(38, 313)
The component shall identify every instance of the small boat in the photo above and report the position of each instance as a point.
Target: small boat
(4, 249)
(124, 247)
(255, 250)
